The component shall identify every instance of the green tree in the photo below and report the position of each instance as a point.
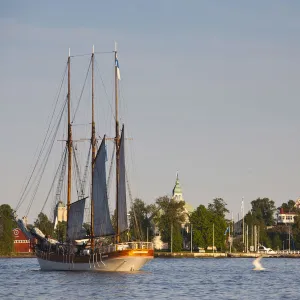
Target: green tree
(204, 219)
(177, 239)
(261, 215)
(7, 224)
(264, 237)
(238, 244)
(263, 211)
(60, 232)
(171, 215)
(44, 224)
(87, 228)
(139, 220)
(276, 241)
(218, 207)
(124, 236)
(296, 231)
(289, 206)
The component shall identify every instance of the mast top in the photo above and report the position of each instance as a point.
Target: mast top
(69, 52)
(93, 49)
(115, 46)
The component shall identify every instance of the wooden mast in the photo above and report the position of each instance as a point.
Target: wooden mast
(117, 141)
(93, 141)
(69, 141)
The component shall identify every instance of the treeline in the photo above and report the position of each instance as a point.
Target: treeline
(167, 215)
(172, 221)
(7, 224)
(281, 236)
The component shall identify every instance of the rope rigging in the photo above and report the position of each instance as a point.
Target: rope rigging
(82, 90)
(36, 176)
(139, 232)
(62, 167)
(44, 142)
(105, 91)
(47, 155)
(110, 172)
(87, 165)
(77, 174)
(61, 178)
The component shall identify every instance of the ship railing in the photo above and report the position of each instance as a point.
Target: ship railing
(135, 245)
(126, 246)
(108, 248)
(288, 252)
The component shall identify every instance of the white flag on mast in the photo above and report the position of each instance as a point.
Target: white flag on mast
(118, 69)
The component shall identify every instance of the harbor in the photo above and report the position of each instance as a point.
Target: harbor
(280, 254)
(150, 149)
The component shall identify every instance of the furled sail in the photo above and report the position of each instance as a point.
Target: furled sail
(122, 207)
(102, 221)
(75, 219)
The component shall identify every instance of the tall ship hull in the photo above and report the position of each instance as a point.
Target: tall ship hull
(116, 261)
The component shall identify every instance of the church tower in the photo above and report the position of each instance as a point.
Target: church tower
(60, 213)
(178, 196)
(177, 191)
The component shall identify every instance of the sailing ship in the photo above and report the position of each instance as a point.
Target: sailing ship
(91, 253)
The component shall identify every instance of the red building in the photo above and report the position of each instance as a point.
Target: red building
(21, 241)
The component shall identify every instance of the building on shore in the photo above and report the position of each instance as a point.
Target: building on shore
(22, 242)
(177, 195)
(60, 213)
(285, 217)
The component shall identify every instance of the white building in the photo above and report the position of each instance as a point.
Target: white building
(60, 213)
(285, 217)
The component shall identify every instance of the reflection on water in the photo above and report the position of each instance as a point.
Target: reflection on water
(184, 278)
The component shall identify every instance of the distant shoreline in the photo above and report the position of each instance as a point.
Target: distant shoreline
(222, 255)
(189, 255)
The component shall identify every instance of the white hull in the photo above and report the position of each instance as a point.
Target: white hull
(121, 264)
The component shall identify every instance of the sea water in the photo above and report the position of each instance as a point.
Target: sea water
(162, 278)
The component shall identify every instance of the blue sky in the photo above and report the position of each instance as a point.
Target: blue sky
(210, 90)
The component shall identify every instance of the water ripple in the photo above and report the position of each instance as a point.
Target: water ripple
(160, 279)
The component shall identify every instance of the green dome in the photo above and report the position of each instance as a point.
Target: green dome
(177, 188)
